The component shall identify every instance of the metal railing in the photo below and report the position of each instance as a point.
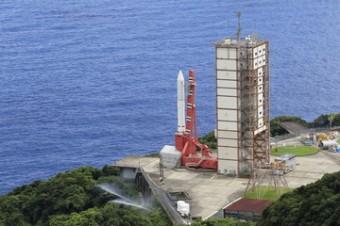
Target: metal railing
(163, 199)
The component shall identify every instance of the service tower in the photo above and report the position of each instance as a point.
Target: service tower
(242, 79)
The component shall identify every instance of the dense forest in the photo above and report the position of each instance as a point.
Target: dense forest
(313, 205)
(73, 199)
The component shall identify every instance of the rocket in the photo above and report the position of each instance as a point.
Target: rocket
(180, 103)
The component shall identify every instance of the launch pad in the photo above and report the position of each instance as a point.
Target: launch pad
(209, 191)
(211, 181)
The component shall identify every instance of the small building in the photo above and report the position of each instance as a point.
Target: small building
(246, 209)
(170, 157)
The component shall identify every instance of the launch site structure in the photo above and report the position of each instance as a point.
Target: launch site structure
(242, 81)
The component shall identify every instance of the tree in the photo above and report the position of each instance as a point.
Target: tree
(314, 204)
(72, 199)
(331, 118)
(276, 128)
(209, 140)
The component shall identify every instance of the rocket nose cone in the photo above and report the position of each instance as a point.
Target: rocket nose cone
(180, 76)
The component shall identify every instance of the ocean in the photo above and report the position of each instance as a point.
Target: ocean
(89, 82)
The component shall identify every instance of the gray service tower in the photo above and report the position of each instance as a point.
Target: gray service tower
(242, 80)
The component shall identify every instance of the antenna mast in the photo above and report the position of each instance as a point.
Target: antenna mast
(238, 33)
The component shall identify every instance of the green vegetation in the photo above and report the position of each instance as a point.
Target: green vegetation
(323, 121)
(72, 199)
(153, 154)
(276, 129)
(266, 193)
(295, 150)
(209, 140)
(313, 205)
(326, 120)
(223, 222)
(331, 118)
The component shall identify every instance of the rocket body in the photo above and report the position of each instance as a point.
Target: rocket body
(180, 103)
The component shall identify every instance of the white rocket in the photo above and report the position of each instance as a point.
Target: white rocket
(180, 103)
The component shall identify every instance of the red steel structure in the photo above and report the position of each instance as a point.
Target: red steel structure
(194, 154)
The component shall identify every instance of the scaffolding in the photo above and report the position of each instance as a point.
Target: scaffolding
(267, 177)
(254, 143)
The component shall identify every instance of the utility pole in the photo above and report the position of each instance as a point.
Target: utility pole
(161, 170)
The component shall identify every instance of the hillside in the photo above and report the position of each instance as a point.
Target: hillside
(323, 121)
(313, 205)
(72, 199)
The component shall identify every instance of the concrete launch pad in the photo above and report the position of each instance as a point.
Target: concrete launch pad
(311, 168)
(209, 192)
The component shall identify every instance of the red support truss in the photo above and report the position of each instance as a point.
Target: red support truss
(194, 154)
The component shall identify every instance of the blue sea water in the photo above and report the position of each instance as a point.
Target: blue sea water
(89, 82)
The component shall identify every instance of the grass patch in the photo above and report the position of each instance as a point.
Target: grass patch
(266, 193)
(295, 150)
(338, 140)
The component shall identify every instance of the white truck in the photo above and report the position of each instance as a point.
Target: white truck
(183, 208)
